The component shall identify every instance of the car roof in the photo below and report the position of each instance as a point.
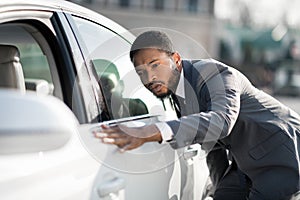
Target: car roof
(67, 7)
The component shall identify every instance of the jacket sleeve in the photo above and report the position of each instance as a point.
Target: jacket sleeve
(222, 98)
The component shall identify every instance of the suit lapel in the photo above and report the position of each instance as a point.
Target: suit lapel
(191, 100)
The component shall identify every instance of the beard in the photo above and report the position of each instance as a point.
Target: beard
(172, 83)
(164, 95)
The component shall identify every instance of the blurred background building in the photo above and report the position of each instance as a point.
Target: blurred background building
(260, 38)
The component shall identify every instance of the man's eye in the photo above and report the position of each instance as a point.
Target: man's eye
(155, 65)
(140, 73)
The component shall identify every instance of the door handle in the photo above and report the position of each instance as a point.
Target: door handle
(112, 186)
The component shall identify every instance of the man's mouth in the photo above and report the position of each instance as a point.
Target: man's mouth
(159, 89)
(155, 87)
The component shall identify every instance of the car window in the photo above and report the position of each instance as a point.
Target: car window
(108, 54)
(34, 62)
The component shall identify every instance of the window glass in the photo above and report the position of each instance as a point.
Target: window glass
(34, 62)
(108, 53)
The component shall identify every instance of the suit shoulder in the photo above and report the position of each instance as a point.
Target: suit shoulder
(208, 68)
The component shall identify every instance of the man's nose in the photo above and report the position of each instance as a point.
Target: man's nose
(151, 76)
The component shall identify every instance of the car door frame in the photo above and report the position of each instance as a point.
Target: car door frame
(83, 90)
(97, 88)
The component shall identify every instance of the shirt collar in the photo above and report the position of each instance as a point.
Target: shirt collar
(180, 87)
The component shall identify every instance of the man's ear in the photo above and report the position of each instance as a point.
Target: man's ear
(177, 59)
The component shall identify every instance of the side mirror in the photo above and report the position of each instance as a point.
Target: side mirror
(32, 123)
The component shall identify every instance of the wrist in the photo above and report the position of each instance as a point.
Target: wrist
(154, 138)
(152, 134)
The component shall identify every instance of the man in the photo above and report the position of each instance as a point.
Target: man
(219, 108)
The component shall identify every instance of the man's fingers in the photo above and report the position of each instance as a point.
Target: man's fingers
(120, 142)
(109, 135)
(110, 129)
(108, 140)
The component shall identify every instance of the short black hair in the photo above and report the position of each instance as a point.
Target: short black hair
(152, 39)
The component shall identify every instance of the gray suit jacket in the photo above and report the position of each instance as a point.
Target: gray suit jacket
(222, 106)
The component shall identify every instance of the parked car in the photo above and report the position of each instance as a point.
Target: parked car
(64, 70)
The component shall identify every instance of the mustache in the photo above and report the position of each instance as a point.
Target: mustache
(150, 84)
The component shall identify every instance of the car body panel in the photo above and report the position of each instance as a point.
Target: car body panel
(63, 172)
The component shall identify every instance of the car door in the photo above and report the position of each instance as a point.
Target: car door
(154, 171)
(65, 172)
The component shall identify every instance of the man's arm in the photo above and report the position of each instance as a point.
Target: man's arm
(222, 94)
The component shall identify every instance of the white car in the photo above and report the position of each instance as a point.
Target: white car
(64, 70)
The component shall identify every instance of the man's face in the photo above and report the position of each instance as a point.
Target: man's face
(158, 71)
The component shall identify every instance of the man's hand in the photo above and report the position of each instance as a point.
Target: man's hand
(127, 138)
